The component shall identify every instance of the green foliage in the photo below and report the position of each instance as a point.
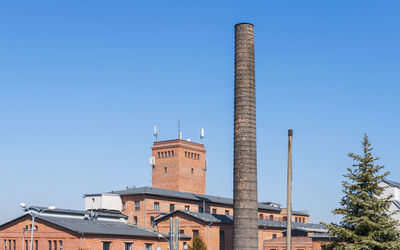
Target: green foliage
(197, 244)
(366, 222)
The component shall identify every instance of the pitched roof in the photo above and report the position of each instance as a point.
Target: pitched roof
(193, 197)
(392, 183)
(102, 227)
(227, 219)
(59, 211)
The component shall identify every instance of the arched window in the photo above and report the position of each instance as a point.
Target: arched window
(162, 154)
(172, 153)
(191, 155)
(192, 170)
(169, 153)
(158, 154)
(186, 154)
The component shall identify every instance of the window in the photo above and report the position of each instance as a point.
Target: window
(214, 211)
(14, 245)
(192, 170)
(271, 217)
(295, 219)
(148, 246)
(9, 244)
(151, 219)
(191, 155)
(261, 216)
(156, 205)
(134, 219)
(169, 153)
(5, 244)
(181, 231)
(61, 245)
(195, 232)
(171, 207)
(123, 205)
(128, 246)
(304, 220)
(185, 154)
(27, 246)
(274, 236)
(221, 240)
(200, 209)
(285, 218)
(172, 153)
(106, 245)
(165, 169)
(55, 245)
(162, 154)
(137, 205)
(186, 208)
(36, 245)
(49, 245)
(226, 212)
(158, 154)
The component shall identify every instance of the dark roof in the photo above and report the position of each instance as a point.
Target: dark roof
(227, 219)
(392, 183)
(188, 196)
(108, 214)
(97, 226)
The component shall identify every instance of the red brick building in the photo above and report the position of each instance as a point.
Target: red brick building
(138, 218)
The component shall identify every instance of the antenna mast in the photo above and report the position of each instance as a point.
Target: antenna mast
(155, 132)
(179, 129)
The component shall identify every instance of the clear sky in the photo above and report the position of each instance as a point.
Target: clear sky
(83, 82)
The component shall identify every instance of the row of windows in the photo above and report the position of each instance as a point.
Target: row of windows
(53, 245)
(300, 220)
(165, 154)
(192, 155)
(128, 245)
(166, 170)
(261, 217)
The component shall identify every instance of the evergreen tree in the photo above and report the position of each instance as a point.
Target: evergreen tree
(197, 244)
(366, 222)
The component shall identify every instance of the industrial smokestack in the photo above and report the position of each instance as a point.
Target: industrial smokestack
(245, 205)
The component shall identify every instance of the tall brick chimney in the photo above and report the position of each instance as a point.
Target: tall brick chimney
(245, 222)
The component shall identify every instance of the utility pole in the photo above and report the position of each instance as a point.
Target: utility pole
(289, 193)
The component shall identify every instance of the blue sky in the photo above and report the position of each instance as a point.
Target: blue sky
(83, 82)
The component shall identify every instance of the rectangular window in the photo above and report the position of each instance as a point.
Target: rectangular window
(55, 245)
(214, 211)
(181, 231)
(49, 245)
(15, 248)
(27, 246)
(36, 245)
(271, 217)
(5, 244)
(261, 216)
(156, 205)
(148, 246)
(9, 244)
(195, 232)
(151, 219)
(295, 219)
(285, 218)
(304, 220)
(128, 246)
(226, 212)
(274, 236)
(106, 245)
(221, 240)
(171, 207)
(186, 208)
(135, 220)
(137, 205)
(165, 170)
(61, 245)
(200, 209)
(123, 205)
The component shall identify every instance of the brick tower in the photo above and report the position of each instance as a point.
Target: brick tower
(179, 165)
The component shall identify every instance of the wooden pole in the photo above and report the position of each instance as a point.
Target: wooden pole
(289, 193)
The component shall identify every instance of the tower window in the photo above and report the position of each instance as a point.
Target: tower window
(185, 154)
(162, 154)
(192, 170)
(172, 153)
(165, 169)
(191, 155)
(158, 154)
(169, 153)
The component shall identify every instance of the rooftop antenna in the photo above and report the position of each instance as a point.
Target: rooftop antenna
(179, 129)
(155, 132)
(201, 133)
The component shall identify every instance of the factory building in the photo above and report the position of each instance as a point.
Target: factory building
(138, 217)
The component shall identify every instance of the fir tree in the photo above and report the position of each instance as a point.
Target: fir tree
(197, 244)
(366, 222)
